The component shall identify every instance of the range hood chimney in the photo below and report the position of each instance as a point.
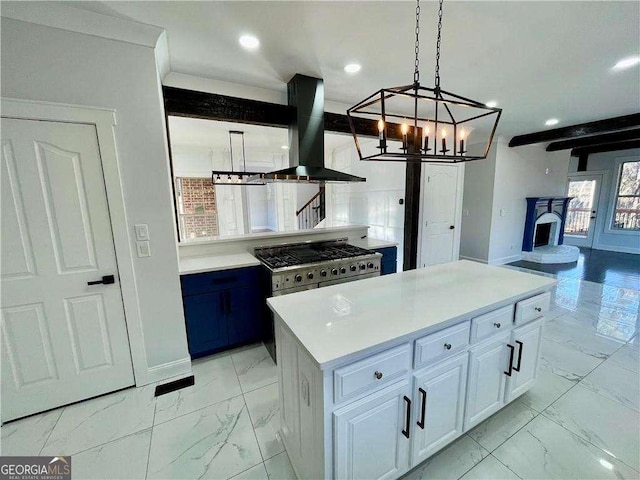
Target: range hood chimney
(306, 137)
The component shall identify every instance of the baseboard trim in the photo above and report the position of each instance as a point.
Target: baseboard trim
(613, 248)
(504, 260)
(168, 370)
(479, 260)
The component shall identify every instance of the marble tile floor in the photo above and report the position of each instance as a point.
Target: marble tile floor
(581, 420)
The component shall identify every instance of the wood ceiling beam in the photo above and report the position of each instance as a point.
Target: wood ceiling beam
(624, 135)
(606, 147)
(578, 130)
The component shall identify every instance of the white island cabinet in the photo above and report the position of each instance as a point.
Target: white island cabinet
(376, 376)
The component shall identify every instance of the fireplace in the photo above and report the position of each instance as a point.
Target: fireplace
(544, 231)
(542, 235)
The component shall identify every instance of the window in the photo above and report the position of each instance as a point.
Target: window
(627, 212)
(197, 210)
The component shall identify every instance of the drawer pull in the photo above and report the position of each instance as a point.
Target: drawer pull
(497, 325)
(538, 309)
(447, 346)
(512, 348)
(406, 432)
(378, 375)
(422, 408)
(517, 369)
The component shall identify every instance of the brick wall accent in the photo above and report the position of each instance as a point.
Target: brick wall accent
(199, 214)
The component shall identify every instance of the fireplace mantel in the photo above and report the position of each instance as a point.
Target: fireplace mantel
(538, 207)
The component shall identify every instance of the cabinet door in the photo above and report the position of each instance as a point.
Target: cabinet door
(206, 323)
(485, 391)
(368, 439)
(527, 341)
(439, 392)
(244, 314)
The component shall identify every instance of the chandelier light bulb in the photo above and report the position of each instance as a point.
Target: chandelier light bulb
(380, 125)
(404, 128)
(462, 134)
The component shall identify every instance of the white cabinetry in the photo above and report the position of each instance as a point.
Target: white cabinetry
(369, 442)
(487, 363)
(526, 340)
(438, 398)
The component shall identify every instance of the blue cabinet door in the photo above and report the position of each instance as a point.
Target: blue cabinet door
(388, 263)
(245, 317)
(206, 323)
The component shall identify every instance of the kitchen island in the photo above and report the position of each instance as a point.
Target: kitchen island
(376, 376)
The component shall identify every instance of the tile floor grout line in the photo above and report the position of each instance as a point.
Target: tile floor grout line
(258, 388)
(474, 441)
(505, 466)
(153, 424)
(197, 410)
(51, 432)
(246, 469)
(253, 428)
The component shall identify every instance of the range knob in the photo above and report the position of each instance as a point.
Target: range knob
(353, 268)
(323, 273)
(334, 271)
(343, 270)
(310, 276)
(362, 266)
(298, 278)
(370, 265)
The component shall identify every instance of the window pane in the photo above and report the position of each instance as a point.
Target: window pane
(630, 179)
(579, 211)
(627, 214)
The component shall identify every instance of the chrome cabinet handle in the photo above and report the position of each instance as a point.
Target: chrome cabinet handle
(406, 431)
(512, 348)
(497, 325)
(447, 346)
(378, 375)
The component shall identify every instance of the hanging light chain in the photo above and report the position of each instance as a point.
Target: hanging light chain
(416, 73)
(437, 81)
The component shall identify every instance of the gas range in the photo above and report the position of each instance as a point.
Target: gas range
(302, 266)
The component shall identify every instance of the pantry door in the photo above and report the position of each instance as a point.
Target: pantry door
(64, 336)
(440, 214)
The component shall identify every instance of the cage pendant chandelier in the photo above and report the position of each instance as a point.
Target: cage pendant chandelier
(412, 123)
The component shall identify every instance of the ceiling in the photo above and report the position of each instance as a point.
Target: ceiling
(537, 59)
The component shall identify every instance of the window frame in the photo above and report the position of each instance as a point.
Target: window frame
(614, 195)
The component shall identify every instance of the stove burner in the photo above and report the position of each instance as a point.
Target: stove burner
(306, 253)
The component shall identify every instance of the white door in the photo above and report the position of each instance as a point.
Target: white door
(440, 212)
(582, 211)
(62, 339)
(485, 391)
(438, 397)
(368, 439)
(526, 340)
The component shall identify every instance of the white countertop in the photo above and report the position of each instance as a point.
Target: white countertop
(372, 243)
(212, 263)
(340, 320)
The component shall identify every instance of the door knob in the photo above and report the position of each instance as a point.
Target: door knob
(451, 227)
(106, 280)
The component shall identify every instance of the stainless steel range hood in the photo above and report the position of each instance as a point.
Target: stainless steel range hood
(306, 137)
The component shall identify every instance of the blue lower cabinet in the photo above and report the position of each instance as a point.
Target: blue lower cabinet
(223, 309)
(389, 261)
(206, 323)
(244, 321)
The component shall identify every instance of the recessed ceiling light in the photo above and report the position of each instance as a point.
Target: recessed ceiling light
(249, 42)
(626, 63)
(551, 121)
(492, 104)
(352, 68)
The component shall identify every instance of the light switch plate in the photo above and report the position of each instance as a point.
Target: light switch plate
(143, 248)
(142, 232)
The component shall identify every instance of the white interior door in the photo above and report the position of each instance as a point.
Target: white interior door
(582, 211)
(62, 339)
(441, 203)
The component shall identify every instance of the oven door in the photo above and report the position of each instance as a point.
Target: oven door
(348, 279)
(301, 288)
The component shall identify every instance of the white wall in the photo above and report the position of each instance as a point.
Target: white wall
(518, 173)
(43, 63)
(608, 164)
